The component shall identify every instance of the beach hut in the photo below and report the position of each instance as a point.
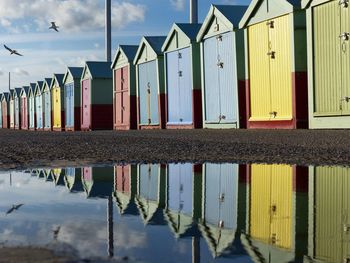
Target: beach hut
(97, 99)
(57, 99)
(276, 64)
(24, 107)
(31, 107)
(125, 188)
(150, 198)
(124, 88)
(223, 198)
(329, 219)
(39, 107)
(328, 50)
(98, 181)
(72, 93)
(47, 111)
(223, 70)
(58, 176)
(17, 107)
(73, 180)
(5, 110)
(183, 77)
(277, 212)
(1, 95)
(183, 198)
(12, 109)
(149, 63)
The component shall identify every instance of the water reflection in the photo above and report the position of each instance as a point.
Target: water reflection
(184, 212)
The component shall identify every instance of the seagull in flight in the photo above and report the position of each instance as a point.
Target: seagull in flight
(13, 208)
(54, 27)
(13, 51)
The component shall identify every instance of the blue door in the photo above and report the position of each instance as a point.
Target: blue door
(39, 111)
(47, 110)
(211, 85)
(180, 188)
(173, 92)
(227, 78)
(221, 194)
(31, 111)
(69, 104)
(148, 92)
(185, 86)
(149, 181)
(179, 86)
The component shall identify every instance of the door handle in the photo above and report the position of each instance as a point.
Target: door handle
(273, 114)
(220, 64)
(271, 24)
(346, 98)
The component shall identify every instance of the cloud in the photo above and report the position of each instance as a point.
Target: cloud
(20, 71)
(70, 15)
(178, 4)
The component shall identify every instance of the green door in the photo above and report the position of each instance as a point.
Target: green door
(345, 59)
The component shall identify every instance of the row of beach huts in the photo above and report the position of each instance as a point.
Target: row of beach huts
(274, 64)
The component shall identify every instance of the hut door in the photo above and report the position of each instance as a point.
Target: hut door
(180, 188)
(221, 191)
(345, 59)
(185, 86)
(16, 112)
(47, 109)
(148, 90)
(57, 107)
(327, 56)
(68, 109)
(39, 111)
(211, 78)
(280, 69)
(24, 113)
(12, 113)
(271, 204)
(149, 182)
(1, 116)
(227, 78)
(86, 107)
(31, 111)
(122, 110)
(122, 179)
(332, 216)
(173, 91)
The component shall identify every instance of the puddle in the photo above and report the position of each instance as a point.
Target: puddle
(181, 212)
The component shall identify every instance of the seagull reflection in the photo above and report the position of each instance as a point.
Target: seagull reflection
(13, 208)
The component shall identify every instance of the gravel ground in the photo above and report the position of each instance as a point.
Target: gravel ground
(26, 149)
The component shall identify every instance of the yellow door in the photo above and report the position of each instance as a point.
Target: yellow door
(271, 204)
(281, 205)
(57, 107)
(260, 101)
(280, 68)
(260, 199)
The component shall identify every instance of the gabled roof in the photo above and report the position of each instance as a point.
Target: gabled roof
(25, 90)
(5, 96)
(154, 42)
(12, 93)
(98, 69)
(128, 50)
(48, 82)
(17, 92)
(39, 85)
(230, 14)
(189, 30)
(289, 5)
(32, 86)
(57, 78)
(74, 71)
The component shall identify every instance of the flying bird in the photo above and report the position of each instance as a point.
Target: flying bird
(13, 208)
(56, 232)
(13, 51)
(54, 27)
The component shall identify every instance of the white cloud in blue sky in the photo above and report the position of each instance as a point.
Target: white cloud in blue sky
(24, 26)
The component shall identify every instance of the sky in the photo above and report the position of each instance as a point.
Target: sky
(24, 26)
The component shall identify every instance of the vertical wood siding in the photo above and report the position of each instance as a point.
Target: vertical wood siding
(173, 92)
(47, 109)
(345, 59)
(122, 105)
(149, 181)
(86, 104)
(32, 112)
(39, 111)
(56, 107)
(69, 104)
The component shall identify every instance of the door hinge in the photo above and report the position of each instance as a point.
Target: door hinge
(181, 120)
(271, 24)
(346, 228)
(345, 36)
(346, 98)
(179, 55)
(344, 3)
(219, 38)
(271, 54)
(180, 73)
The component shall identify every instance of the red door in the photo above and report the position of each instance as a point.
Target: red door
(86, 105)
(87, 174)
(24, 114)
(4, 114)
(122, 179)
(122, 105)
